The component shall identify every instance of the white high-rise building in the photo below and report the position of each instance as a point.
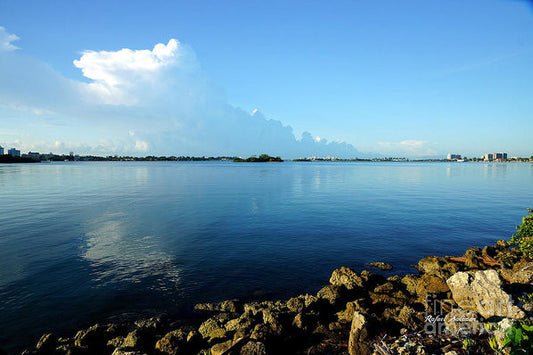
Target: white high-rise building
(453, 156)
(495, 156)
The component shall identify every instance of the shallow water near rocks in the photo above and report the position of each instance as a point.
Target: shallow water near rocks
(82, 242)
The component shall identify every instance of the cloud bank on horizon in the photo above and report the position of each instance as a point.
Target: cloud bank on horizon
(137, 102)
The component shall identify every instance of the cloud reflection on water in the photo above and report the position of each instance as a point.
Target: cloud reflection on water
(117, 255)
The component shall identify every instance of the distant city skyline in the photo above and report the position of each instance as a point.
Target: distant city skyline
(501, 156)
(413, 79)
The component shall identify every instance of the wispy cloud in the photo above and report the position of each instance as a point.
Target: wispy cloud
(409, 148)
(5, 40)
(486, 62)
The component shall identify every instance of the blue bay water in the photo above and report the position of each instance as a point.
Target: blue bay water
(82, 242)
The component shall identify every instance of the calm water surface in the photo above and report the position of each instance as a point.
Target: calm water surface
(81, 242)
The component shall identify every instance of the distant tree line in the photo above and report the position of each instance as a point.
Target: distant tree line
(64, 157)
(165, 158)
(4, 159)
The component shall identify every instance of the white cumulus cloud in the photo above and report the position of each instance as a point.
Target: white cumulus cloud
(115, 74)
(5, 40)
(141, 146)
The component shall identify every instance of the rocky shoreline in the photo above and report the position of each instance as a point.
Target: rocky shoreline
(453, 305)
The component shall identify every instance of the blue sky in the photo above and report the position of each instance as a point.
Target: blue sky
(411, 78)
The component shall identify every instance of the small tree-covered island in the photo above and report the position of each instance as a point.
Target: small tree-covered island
(263, 158)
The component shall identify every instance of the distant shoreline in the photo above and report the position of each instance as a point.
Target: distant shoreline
(23, 160)
(37, 157)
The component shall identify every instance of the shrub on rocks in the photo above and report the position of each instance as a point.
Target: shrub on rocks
(524, 235)
(500, 335)
(508, 258)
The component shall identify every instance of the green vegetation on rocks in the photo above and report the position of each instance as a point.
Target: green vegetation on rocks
(524, 235)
